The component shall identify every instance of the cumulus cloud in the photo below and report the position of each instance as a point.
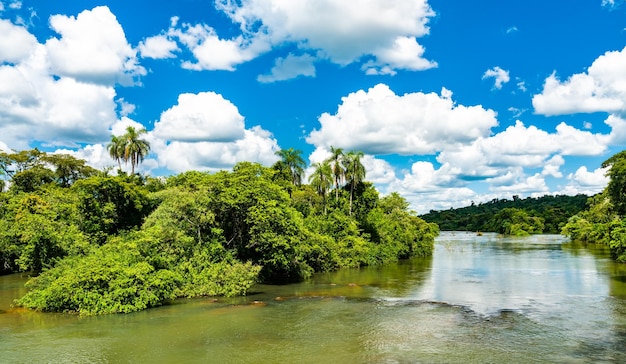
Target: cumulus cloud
(158, 47)
(34, 106)
(290, 67)
(206, 132)
(378, 121)
(257, 145)
(62, 92)
(205, 116)
(383, 33)
(601, 88)
(92, 48)
(585, 181)
(212, 52)
(16, 43)
(518, 159)
(515, 160)
(523, 147)
(427, 188)
(404, 53)
(499, 76)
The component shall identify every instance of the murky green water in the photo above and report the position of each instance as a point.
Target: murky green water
(478, 300)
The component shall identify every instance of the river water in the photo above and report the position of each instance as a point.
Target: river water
(479, 299)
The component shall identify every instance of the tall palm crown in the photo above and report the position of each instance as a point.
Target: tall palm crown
(336, 165)
(135, 148)
(355, 171)
(129, 147)
(292, 158)
(322, 179)
(116, 149)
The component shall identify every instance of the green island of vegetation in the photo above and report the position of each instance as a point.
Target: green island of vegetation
(97, 243)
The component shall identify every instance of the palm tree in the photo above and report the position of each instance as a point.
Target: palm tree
(116, 149)
(322, 180)
(355, 171)
(135, 149)
(292, 159)
(336, 165)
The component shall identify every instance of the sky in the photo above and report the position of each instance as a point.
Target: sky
(451, 101)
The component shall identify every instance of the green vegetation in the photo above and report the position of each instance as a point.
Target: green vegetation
(604, 222)
(547, 214)
(105, 244)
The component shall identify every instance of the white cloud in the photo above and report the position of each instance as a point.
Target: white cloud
(257, 145)
(39, 105)
(612, 4)
(378, 170)
(521, 184)
(601, 88)
(290, 67)
(499, 75)
(382, 32)
(205, 132)
(205, 116)
(586, 182)
(214, 53)
(378, 121)
(618, 130)
(552, 167)
(36, 107)
(16, 43)
(404, 53)
(4, 148)
(427, 188)
(522, 147)
(125, 108)
(158, 47)
(92, 48)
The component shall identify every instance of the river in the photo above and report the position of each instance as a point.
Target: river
(479, 299)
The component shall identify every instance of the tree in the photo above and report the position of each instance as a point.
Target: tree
(68, 169)
(116, 149)
(322, 179)
(135, 148)
(354, 171)
(336, 165)
(292, 159)
(617, 183)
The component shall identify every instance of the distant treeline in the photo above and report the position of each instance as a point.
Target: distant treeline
(552, 211)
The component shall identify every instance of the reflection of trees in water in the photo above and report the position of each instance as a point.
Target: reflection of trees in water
(617, 281)
(399, 278)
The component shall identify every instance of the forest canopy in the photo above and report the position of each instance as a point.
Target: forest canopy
(547, 214)
(604, 221)
(99, 243)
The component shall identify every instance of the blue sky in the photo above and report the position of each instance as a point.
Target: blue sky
(451, 101)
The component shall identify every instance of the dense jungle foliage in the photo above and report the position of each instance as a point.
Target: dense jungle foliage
(547, 214)
(97, 243)
(604, 221)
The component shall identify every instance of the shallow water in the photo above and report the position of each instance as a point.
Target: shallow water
(479, 299)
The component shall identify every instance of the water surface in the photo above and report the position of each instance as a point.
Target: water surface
(479, 299)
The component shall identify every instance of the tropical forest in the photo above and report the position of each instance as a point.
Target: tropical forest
(97, 242)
